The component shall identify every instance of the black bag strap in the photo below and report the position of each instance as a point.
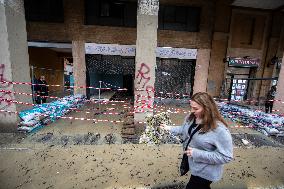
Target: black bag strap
(191, 126)
(189, 131)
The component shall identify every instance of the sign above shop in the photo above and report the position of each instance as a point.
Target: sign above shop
(244, 62)
(130, 50)
(179, 53)
(110, 49)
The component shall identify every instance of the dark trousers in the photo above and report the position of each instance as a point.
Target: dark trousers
(43, 100)
(196, 182)
(268, 107)
(40, 100)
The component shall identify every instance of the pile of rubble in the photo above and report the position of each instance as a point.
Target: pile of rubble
(268, 124)
(44, 114)
(128, 132)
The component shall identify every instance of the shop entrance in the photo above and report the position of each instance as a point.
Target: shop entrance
(128, 84)
(113, 72)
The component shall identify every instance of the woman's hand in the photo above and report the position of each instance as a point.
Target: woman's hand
(164, 126)
(188, 152)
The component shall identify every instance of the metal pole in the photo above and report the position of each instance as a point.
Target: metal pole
(100, 95)
(100, 90)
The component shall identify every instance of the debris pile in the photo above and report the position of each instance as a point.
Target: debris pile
(47, 113)
(268, 124)
(128, 132)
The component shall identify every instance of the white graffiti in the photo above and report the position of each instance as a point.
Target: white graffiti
(130, 50)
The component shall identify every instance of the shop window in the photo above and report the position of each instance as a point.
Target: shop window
(179, 18)
(44, 10)
(110, 13)
(175, 77)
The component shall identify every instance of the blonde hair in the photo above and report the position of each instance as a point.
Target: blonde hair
(210, 114)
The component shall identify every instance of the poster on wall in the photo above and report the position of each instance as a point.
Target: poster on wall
(239, 89)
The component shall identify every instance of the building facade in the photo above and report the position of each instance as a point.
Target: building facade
(223, 47)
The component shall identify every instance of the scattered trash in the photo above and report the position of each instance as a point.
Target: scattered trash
(47, 137)
(268, 124)
(245, 141)
(110, 138)
(47, 113)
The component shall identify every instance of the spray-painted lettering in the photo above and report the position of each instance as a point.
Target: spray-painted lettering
(142, 74)
(5, 98)
(145, 91)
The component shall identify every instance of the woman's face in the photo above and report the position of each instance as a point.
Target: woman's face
(196, 109)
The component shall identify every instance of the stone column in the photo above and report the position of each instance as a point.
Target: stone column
(145, 60)
(14, 65)
(79, 66)
(217, 66)
(201, 70)
(278, 105)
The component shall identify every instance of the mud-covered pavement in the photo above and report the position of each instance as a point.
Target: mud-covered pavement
(127, 166)
(77, 154)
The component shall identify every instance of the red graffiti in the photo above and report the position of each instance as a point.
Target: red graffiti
(142, 73)
(146, 101)
(2, 69)
(137, 98)
(3, 84)
(5, 101)
(5, 98)
(143, 78)
(151, 92)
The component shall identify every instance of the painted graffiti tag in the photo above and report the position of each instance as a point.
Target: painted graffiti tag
(5, 98)
(3, 83)
(150, 91)
(142, 74)
(143, 79)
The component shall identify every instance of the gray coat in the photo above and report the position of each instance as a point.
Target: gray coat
(211, 150)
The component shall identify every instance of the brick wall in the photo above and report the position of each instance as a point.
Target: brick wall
(215, 34)
(74, 28)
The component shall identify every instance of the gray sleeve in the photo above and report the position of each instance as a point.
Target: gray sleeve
(178, 130)
(221, 155)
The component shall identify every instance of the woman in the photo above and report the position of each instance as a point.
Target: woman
(210, 147)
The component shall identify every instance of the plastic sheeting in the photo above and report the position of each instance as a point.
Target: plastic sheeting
(268, 124)
(47, 113)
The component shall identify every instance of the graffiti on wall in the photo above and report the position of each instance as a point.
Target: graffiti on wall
(5, 98)
(179, 53)
(130, 50)
(144, 90)
(142, 75)
(110, 49)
